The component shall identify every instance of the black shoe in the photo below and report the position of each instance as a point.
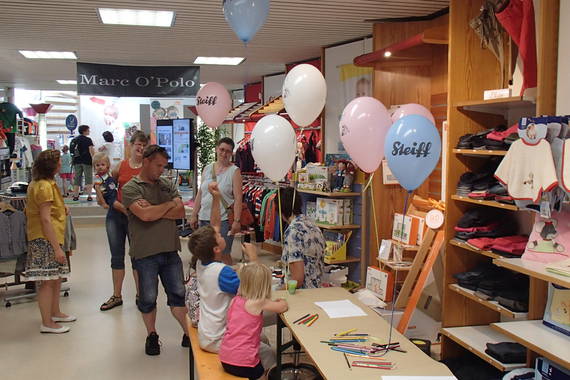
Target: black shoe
(185, 341)
(152, 346)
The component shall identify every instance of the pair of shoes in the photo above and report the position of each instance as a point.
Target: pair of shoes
(69, 318)
(89, 199)
(111, 303)
(185, 341)
(75, 199)
(152, 345)
(51, 330)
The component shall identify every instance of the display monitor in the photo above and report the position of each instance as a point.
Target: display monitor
(176, 137)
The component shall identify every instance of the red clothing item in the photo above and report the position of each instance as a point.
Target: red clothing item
(500, 136)
(125, 175)
(518, 20)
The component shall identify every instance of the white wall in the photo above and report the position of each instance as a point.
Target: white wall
(334, 58)
(563, 85)
(272, 86)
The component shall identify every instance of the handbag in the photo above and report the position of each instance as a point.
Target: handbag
(246, 219)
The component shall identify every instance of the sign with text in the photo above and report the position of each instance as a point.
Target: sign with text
(137, 81)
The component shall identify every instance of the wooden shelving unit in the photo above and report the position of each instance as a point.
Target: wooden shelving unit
(469, 321)
(483, 153)
(348, 260)
(485, 203)
(533, 269)
(460, 244)
(499, 106)
(331, 195)
(539, 338)
(475, 338)
(343, 227)
(493, 305)
(397, 266)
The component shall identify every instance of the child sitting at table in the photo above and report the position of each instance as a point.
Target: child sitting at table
(217, 282)
(241, 345)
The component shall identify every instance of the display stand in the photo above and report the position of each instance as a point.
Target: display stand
(468, 321)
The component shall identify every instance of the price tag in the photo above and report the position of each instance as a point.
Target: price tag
(434, 219)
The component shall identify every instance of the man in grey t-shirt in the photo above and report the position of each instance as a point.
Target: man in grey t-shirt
(154, 205)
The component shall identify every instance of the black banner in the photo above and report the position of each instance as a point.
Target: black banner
(137, 81)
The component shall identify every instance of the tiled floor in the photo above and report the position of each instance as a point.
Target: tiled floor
(101, 345)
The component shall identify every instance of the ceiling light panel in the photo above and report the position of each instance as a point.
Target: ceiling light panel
(164, 19)
(233, 61)
(39, 54)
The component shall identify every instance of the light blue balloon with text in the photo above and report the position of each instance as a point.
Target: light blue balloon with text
(246, 17)
(412, 149)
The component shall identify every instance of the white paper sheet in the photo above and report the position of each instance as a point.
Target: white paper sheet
(341, 309)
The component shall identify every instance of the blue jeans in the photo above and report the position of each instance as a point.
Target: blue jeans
(224, 229)
(117, 225)
(167, 266)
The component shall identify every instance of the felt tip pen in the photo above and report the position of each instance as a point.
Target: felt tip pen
(303, 317)
(306, 321)
(313, 321)
(345, 332)
(347, 362)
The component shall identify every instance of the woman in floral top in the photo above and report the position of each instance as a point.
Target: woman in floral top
(303, 243)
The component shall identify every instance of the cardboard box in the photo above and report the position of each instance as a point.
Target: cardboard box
(422, 228)
(348, 212)
(311, 210)
(380, 282)
(318, 173)
(330, 211)
(408, 233)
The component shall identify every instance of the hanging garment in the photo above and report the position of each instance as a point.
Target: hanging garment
(518, 20)
(489, 31)
(8, 113)
(13, 226)
(528, 170)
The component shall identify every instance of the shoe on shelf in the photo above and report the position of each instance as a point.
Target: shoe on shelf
(89, 199)
(152, 345)
(75, 199)
(51, 330)
(185, 341)
(111, 303)
(69, 318)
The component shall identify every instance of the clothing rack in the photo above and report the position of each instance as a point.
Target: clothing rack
(19, 203)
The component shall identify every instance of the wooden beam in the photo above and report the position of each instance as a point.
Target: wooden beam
(547, 57)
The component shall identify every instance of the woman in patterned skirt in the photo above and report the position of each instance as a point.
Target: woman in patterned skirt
(46, 261)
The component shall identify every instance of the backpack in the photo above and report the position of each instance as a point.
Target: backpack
(74, 148)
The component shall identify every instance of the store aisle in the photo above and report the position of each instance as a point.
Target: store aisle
(101, 345)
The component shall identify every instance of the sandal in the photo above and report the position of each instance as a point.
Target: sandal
(111, 303)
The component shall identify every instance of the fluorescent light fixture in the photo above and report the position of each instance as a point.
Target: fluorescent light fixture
(137, 17)
(387, 54)
(38, 54)
(233, 61)
(66, 81)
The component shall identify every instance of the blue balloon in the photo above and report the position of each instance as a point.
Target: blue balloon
(412, 148)
(246, 17)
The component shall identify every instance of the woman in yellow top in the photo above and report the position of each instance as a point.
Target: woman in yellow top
(46, 261)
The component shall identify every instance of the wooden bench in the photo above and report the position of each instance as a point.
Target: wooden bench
(207, 364)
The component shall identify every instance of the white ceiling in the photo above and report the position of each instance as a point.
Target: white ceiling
(295, 30)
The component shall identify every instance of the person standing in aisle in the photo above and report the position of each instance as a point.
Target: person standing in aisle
(108, 147)
(303, 243)
(117, 223)
(66, 170)
(154, 204)
(228, 177)
(46, 262)
(82, 150)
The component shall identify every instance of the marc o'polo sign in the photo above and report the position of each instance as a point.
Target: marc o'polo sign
(135, 81)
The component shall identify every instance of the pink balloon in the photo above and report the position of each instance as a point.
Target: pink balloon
(412, 109)
(213, 102)
(363, 128)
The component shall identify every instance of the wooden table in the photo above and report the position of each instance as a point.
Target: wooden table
(331, 364)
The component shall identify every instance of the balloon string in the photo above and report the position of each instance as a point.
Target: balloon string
(281, 226)
(374, 214)
(368, 184)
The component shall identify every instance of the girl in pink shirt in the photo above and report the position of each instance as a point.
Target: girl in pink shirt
(239, 351)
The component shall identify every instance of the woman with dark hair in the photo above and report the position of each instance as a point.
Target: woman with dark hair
(46, 262)
(117, 222)
(108, 147)
(303, 243)
(228, 177)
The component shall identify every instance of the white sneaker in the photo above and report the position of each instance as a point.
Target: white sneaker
(69, 318)
(50, 330)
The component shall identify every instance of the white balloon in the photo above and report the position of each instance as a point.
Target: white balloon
(304, 94)
(273, 146)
